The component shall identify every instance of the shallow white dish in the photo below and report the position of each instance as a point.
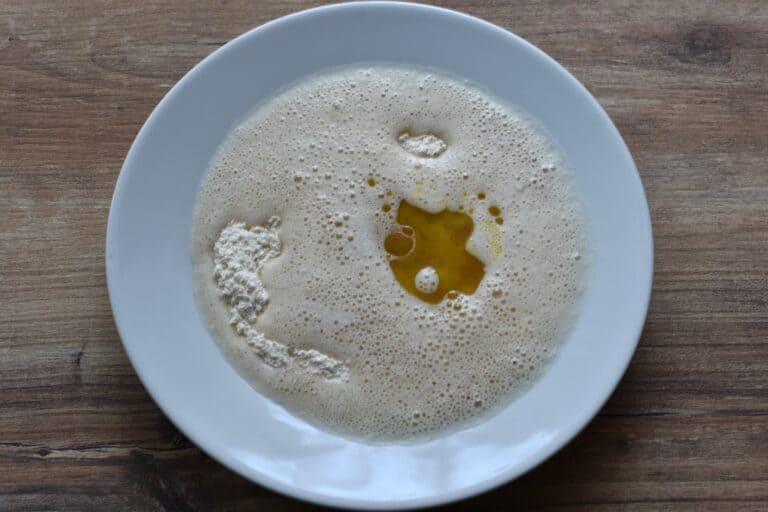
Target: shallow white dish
(149, 272)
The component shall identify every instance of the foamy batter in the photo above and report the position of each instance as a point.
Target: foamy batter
(293, 280)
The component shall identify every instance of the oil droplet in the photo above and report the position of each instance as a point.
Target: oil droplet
(398, 244)
(494, 210)
(371, 182)
(481, 196)
(386, 207)
(439, 241)
(499, 220)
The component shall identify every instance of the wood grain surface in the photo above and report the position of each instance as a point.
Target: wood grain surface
(686, 83)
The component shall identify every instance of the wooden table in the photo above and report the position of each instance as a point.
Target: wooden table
(687, 85)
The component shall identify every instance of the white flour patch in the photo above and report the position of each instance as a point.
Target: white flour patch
(239, 255)
(425, 145)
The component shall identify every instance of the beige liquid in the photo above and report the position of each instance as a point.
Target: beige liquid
(474, 190)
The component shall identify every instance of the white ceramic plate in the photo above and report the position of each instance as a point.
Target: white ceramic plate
(149, 270)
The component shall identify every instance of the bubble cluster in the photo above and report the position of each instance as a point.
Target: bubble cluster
(427, 280)
(329, 158)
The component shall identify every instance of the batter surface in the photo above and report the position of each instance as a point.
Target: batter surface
(388, 252)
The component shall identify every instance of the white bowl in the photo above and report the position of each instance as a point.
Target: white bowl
(149, 270)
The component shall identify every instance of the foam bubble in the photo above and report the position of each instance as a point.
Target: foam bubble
(427, 280)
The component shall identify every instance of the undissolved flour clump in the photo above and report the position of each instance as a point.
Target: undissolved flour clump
(239, 255)
(388, 252)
